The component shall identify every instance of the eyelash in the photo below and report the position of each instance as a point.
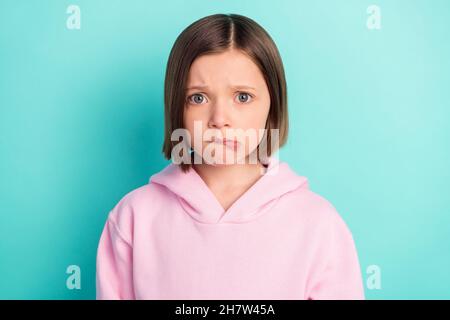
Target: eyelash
(240, 92)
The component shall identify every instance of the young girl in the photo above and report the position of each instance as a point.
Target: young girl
(206, 227)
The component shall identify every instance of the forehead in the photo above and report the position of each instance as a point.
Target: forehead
(226, 68)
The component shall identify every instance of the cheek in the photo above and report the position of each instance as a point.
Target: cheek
(190, 118)
(188, 122)
(256, 117)
(256, 120)
(195, 114)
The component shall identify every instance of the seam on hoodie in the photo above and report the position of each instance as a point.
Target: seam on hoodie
(182, 205)
(120, 234)
(272, 203)
(269, 207)
(310, 287)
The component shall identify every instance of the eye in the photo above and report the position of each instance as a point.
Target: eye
(196, 98)
(244, 97)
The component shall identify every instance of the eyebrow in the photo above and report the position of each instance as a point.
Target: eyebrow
(200, 87)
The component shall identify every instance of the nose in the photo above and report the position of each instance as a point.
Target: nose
(220, 115)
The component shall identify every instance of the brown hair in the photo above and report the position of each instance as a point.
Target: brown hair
(214, 34)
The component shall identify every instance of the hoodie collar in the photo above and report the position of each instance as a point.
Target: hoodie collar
(202, 205)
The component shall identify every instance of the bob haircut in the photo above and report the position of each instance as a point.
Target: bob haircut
(215, 34)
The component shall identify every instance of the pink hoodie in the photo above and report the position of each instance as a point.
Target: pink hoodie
(171, 239)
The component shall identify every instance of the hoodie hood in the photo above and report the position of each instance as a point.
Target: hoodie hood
(201, 204)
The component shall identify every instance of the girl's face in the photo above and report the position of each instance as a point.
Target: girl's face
(225, 92)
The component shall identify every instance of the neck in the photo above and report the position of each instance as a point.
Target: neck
(229, 176)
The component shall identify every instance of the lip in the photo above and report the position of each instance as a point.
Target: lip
(227, 142)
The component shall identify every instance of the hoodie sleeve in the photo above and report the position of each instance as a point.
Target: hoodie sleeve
(114, 279)
(339, 276)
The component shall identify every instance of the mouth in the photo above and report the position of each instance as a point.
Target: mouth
(233, 144)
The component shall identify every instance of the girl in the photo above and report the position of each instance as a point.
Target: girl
(207, 227)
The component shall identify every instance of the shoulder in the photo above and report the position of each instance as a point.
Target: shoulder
(140, 201)
(317, 210)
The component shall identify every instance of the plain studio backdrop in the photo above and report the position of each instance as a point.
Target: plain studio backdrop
(81, 124)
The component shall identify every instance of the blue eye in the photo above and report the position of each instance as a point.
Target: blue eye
(243, 97)
(196, 98)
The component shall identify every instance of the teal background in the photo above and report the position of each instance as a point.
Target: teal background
(81, 125)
